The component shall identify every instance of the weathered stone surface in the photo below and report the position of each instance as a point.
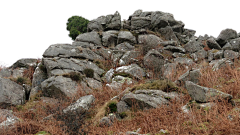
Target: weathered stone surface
(221, 63)
(169, 43)
(10, 93)
(204, 94)
(149, 42)
(39, 76)
(107, 121)
(192, 46)
(105, 53)
(59, 87)
(235, 44)
(159, 93)
(199, 55)
(109, 38)
(52, 64)
(129, 57)
(175, 49)
(108, 75)
(170, 70)
(5, 72)
(96, 24)
(155, 61)
(226, 35)
(213, 44)
(133, 70)
(215, 54)
(126, 36)
(125, 46)
(183, 61)
(81, 105)
(143, 101)
(190, 75)
(90, 37)
(122, 107)
(25, 63)
(168, 33)
(140, 22)
(229, 54)
(176, 54)
(94, 84)
(115, 23)
(7, 119)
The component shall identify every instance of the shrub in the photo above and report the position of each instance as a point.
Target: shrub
(74, 76)
(20, 80)
(43, 68)
(112, 107)
(88, 72)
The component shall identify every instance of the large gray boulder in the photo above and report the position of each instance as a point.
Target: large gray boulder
(226, 35)
(215, 54)
(53, 64)
(204, 94)
(126, 36)
(233, 44)
(140, 22)
(155, 61)
(94, 84)
(221, 63)
(143, 101)
(199, 55)
(125, 46)
(25, 63)
(211, 42)
(109, 38)
(192, 46)
(133, 70)
(59, 87)
(170, 70)
(68, 51)
(168, 33)
(82, 105)
(183, 61)
(149, 42)
(39, 76)
(90, 37)
(129, 57)
(115, 23)
(190, 75)
(229, 54)
(11, 93)
(7, 119)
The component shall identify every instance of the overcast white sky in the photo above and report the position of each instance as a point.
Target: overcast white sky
(29, 27)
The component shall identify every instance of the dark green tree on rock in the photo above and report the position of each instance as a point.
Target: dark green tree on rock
(76, 25)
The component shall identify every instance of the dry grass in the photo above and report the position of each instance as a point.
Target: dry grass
(212, 121)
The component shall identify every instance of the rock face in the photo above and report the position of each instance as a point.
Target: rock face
(7, 119)
(59, 87)
(11, 93)
(81, 105)
(133, 70)
(226, 35)
(204, 94)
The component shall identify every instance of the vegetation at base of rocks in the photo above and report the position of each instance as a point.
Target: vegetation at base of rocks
(21, 80)
(76, 25)
(164, 85)
(89, 72)
(75, 76)
(111, 107)
(43, 68)
(42, 133)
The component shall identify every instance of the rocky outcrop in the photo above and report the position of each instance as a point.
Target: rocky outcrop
(11, 93)
(204, 94)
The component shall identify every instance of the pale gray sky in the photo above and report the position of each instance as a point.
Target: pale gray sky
(29, 27)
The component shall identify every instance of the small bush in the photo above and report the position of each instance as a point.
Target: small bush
(43, 68)
(21, 80)
(112, 107)
(88, 72)
(74, 76)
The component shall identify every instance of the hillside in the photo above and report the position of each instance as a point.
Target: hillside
(144, 75)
